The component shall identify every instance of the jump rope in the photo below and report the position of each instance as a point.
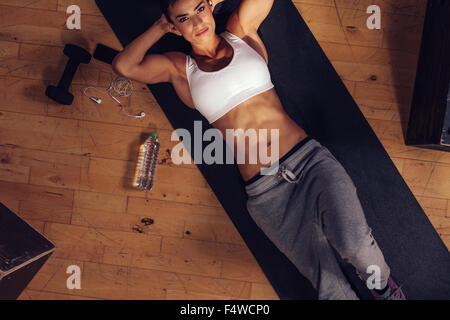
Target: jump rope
(121, 86)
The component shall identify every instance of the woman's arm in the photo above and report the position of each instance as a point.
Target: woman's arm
(252, 13)
(133, 54)
(132, 62)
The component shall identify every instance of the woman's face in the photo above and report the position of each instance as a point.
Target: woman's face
(194, 20)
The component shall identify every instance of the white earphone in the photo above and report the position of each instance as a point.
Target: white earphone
(123, 87)
(98, 100)
(140, 115)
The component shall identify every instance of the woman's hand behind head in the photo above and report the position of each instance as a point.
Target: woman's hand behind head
(167, 26)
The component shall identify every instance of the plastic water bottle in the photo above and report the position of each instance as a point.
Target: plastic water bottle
(147, 160)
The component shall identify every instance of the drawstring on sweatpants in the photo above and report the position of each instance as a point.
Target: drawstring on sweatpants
(288, 175)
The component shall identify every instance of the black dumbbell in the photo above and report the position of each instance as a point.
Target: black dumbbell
(76, 56)
(104, 53)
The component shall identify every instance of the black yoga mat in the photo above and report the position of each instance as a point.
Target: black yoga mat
(315, 97)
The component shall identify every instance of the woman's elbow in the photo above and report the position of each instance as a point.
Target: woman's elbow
(119, 67)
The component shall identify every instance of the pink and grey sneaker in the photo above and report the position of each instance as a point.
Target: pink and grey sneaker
(394, 292)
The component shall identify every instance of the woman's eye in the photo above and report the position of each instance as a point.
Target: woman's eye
(184, 19)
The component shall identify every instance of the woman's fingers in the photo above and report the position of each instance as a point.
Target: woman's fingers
(166, 25)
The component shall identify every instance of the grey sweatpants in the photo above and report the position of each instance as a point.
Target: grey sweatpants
(310, 206)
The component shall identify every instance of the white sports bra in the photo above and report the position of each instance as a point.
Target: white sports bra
(217, 92)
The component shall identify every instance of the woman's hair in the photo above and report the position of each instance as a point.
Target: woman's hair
(165, 7)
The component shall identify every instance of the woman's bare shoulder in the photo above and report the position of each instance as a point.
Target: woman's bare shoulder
(234, 26)
(179, 60)
(251, 38)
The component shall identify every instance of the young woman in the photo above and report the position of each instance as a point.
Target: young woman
(309, 208)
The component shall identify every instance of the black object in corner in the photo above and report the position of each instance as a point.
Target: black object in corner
(429, 119)
(23, 251)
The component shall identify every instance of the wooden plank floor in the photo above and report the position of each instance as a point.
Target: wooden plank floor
(67, 170)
